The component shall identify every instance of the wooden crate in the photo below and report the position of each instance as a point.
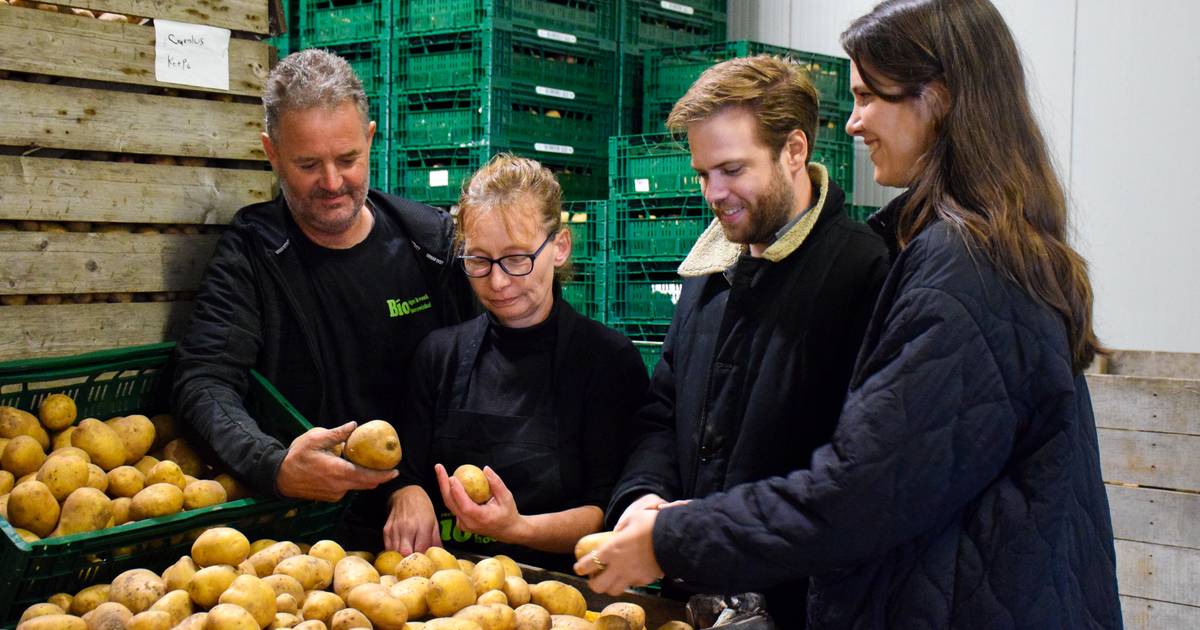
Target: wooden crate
(1149, 430)
(114, 187)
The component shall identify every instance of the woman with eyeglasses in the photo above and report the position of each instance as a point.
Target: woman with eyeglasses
(531, 391)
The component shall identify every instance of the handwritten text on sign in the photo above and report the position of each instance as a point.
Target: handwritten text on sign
(191, 54)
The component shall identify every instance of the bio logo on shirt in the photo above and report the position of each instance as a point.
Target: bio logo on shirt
(400, 308)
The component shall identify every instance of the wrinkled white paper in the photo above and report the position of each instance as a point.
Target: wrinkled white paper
(191, 54)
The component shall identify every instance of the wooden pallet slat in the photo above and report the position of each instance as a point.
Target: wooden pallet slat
(46, 189)
(1148, 614)
(53, 263)
(1154, 364)
(1155, 516)
(1145, 404)
(1161, 460)
(238, 15)
(40, 331)
(1158, 572)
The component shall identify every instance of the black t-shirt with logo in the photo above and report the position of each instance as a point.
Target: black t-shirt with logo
(375, 309)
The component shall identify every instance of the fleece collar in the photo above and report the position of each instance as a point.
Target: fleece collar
(713, 253)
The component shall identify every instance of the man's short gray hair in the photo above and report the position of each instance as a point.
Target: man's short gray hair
(311, 78)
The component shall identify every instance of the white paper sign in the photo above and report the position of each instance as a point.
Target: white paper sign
(191, 54)
(439, 179)
(641, 185)
(555, 92)
(554, 148)
(556, 36)
(678, 8)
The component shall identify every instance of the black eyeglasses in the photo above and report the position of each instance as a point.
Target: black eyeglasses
(513, 264)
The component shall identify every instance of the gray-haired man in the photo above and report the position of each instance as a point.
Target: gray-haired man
(325, 290)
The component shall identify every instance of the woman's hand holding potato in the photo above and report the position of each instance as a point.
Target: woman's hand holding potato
(310, 470)
(412, 523)
(498, 517)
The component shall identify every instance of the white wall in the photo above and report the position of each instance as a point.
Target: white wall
(1114, 85)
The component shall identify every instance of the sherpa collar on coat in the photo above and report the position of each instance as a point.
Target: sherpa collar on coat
(713, 253)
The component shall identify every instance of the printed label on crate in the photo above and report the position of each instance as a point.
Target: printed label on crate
(641, 185)
(191, 54)
(439, 179)
(557, 36)
(678, 8)
(555, 92)
(554, 148)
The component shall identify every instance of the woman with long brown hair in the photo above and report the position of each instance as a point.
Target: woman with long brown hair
(962, 488)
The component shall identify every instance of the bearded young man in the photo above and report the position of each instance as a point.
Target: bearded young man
(326, 290)
(777, 293)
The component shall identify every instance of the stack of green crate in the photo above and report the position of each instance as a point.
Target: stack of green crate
(472, 78)
(587, 221)
(668, 72)
(649, 24)
(360, 31)
(655, 215)
(283, 42)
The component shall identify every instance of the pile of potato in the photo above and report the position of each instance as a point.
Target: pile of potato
(227, 583)
(97, 474)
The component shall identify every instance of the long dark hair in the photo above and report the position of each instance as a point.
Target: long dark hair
(988, 173)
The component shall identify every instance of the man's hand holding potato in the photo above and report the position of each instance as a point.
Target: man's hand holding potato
(497, 518)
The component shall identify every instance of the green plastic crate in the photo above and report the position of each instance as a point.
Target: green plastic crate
(435, 175)
(860, 213)
(838, 158)
(651, 352)
(371, 61)
(657, 228)
(643, 293)
(650, 165)
(588, 221)
(649, 24)
(473, 58)
(585, 290)
(629, 94)
(637, 330)
(120, 382)
(328, 22)
(499, 116)
(567, 20)
(669, 72)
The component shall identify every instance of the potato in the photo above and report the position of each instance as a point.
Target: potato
(632, 613)
(150, 620)
(63, 475)
(414, 564)
(14, 422)
(62, 600)
(26, 535)
(179, 452)
(386, 562)
(510, 566)
(384, 611)
(569, 622)
(31, 506)
(351, 572)
(177, 576)
(88, 599)
(374, 445)
(164, 430)
(285, 603)
(166, 472)
(492, 597)
(312, 573)
(285, 585)
(264, 561)
(177, 605)
(449, 592)
(145, 464)
(611, 622)
(252, 594)
(413, 592)
(284, 620)
(234, 489)
(590, 543)
(349, 618)
(365, 555)
(329, 551)
(101, 442)
(22, 455)
(532, 617)
(388, 580)
(466, 566)
(313, 624)
(207, 584)
(57, 412)
(30, 477)
(86, 510)
(320, 606)
(97, 478)
(194, 622)
(220, 545)
(136, 433)
(230, 617)
(451, 624)
(4, 507)
(260, 544)
(675, 625)
(474, 482)
(69, 450)
(37, 610)
(7, 480)
(137, 589)
(442, 559)
(558, 598)
(54, 622)
(516, 590)
(488, 576)
(493, 617)
(108, 616)
(159, 499)
(63, 439)
(125, 481)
